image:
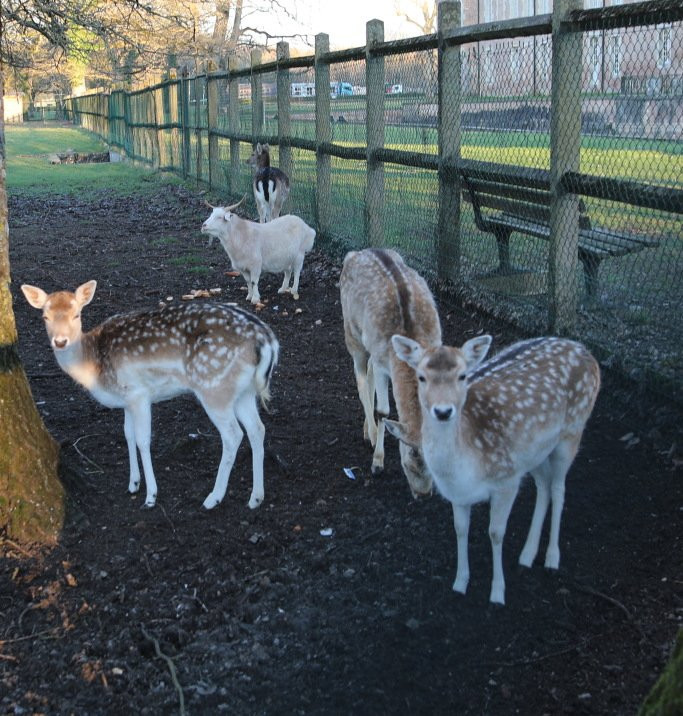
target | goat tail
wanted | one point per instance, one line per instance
(268, 352)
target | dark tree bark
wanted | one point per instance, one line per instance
(31, 495)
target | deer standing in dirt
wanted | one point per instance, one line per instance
(223, 355)
(270, 184)
(485, 425)
(381, 296)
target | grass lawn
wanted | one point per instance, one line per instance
(29, 171)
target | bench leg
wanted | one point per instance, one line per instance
(591, 264)
(503, 239)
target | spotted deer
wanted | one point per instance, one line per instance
(270, 184)
(382, 296)
(223, 355)
(486, 424)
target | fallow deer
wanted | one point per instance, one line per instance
(381, 296)
(270, 184)
(223, 355)
(485, 425)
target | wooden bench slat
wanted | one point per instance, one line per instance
(536, 196)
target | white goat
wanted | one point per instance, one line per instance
(279, 245)
(222, 354)
(380, 296)
(484, 426)
(270, 184)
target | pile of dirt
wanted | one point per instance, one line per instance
(335, 595)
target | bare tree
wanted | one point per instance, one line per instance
(419, 13)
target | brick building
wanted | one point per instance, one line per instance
(639, 61)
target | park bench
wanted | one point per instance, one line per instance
(519, 201)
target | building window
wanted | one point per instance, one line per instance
(594, 55)
(615, 55)
(663, 47)
(488, 67)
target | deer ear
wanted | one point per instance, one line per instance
(399, 432)
(85, 292)
(475, 350)
(34, 295)
(408, 350)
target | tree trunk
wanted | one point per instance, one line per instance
(31, 495)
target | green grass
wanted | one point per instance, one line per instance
(29, 171)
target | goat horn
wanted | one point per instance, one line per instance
(234, 206)
(211, 206)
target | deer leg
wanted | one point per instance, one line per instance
(247, 413)
(381, 381)
(542, 479)
(561, 459)
(231, 436)
(501, 504)
(129, 432)
(360, 371)
(141, 417)
(461, 522)
(260, 202)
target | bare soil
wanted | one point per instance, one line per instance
(335, 595)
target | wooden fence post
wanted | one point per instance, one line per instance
(233, 126)
(375, 99)
(256, 97)
(161, 120)
(323, 133)
(199, 161)
(284, 125)
(448, 250)
(185, 120)
(565, 145)
(153, 131)
(212, 122)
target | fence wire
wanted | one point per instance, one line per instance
(537, 175)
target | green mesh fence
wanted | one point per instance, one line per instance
(532, 165)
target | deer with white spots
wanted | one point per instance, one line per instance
(485, 425)
(381, 296)
(223, 355)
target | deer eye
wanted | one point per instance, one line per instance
(422, 379)
(462, 376)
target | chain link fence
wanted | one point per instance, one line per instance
(532, 166)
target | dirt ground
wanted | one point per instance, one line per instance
(335, 595)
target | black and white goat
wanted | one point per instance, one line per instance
(270, 184)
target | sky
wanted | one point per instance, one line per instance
(344, 20)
